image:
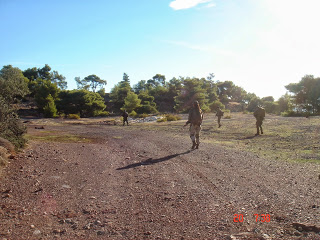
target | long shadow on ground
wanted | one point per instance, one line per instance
(151, 161)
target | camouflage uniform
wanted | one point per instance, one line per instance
(125, 118)
(259, 114)
(196, 120)
(219, 114)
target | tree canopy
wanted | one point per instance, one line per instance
(90, 82)
(13, 85)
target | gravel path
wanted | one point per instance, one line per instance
(134, 184)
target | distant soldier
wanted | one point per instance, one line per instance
(195, 119)
(125, 117)
(219, 114)
(259, 114)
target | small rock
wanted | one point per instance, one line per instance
(70, 214)
(266, 236)
(92, 197)
(37, 232)
(101, 233)
(69, 221)
(38, 190)
(88, 226)
(85, 211)
(32, 226)
(97, 222)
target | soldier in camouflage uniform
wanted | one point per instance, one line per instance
(259, 114)
(219, 114)
(195, 119)
(125, 117)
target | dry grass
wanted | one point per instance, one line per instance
(3, 156)
(285, 138)
(7, 145)
(55, 136)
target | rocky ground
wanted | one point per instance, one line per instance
(97, 181)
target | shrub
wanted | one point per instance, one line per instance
(294, 114)
(143, 115)
(103, 114)
(214, 105)
(172, 117)
(82, 102)
(133, 114)
(73, 116)
(50, 109)
(11, 128)
(245, 112)
(227, 117)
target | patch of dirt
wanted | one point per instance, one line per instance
(134, 183)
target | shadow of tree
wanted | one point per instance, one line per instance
(151, 161)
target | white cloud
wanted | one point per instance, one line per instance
(184, 4)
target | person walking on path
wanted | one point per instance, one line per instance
(125, 117)
(195, 119)
(219, 114)
(259, 114)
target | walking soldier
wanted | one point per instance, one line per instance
(195, 119)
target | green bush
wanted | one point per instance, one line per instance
(11, 127)
(172, 117)
(245, 112)
(227, 117)
(50, 109)
(214, 105)
(73, 116)
(103, 114)
(82, 102)
(143, 115)
(133, 114)
(294, 114)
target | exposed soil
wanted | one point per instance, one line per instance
(114, 182)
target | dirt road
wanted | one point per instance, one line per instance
(127, 183)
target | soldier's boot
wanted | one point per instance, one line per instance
(193, 144)
(197, 141)
(261, 130)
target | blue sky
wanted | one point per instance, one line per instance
(260, 45)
